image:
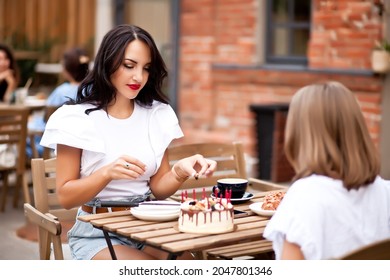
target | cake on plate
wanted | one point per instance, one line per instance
(208, 215)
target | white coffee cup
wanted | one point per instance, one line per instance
(20, 95)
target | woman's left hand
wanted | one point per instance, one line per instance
(195, 165)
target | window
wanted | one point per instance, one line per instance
(288, 31)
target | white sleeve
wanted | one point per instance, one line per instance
(297, 222)
(70, 126)
(163, 128)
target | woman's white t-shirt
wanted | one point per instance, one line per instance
(145, 135)
(326, 220)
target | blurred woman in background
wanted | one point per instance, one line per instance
(75, 63)
(9, 74)
(75, 68)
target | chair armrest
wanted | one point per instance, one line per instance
(64, 215)
(261, 185)
(51, 216)
(44, 221)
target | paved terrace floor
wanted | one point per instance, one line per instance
(13, 247)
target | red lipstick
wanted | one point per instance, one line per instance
(134, 86)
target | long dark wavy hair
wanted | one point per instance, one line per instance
(97, 88)
(12, 61)
(75, 62)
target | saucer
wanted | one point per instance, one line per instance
(247, 196)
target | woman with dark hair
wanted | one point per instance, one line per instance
(338, 202)
(75, 63)
(111, 141)
(9, 74)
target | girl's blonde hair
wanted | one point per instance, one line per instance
(326, 134)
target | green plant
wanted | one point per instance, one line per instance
(382, 45)
(21, 44)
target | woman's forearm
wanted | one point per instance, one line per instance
(291, 251)
(74, 193)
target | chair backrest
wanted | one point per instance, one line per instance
(46, 202)
(44, 187)
(13, 134)
(49, 110)
(376, 251)
(229, 156)
(13, 131)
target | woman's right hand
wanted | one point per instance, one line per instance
(8, 76)
(125, 167)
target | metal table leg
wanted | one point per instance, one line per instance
(109, 244)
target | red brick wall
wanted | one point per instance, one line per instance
(343, 34)
(214, 100)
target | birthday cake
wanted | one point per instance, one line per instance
(207, 215)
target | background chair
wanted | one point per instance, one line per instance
(13, 133)
(47, 214)
(229, 156)
(375, 251)
(33, 133)
(230, 164)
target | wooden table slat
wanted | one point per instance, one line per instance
(178, 236)
(141, 236)
(241, 246)
(262, 248)
(152, 227)
(214, 240)
(106, 221)
(123, 224)
(249, 219)
(88, 218)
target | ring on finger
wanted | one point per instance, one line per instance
(126, 165)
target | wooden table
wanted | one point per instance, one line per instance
(165, 235)
(30, 106)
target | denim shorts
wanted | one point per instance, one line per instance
(85, 241)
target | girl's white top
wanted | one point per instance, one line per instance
(145, 135)
(327, 221)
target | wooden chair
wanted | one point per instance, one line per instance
(258, 249)
(229, 156)
(47, 213)
(13, 133)
(376, 251)
(32, 134)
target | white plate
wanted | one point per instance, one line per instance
(256, 208)
(155, 212)
(247, 196)
(159, 205)
(35, 102)
(154, 215)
